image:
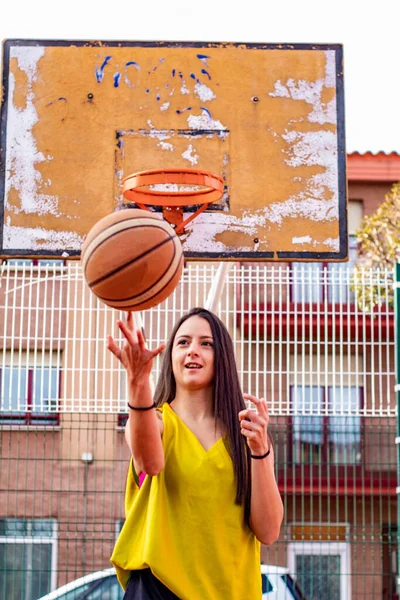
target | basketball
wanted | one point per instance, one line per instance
(132, 259)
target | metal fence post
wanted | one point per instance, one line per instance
(397, 390)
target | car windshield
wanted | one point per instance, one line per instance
(107, 588)
(78, 593)
(294, 589)
(266, 585)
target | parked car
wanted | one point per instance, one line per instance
(277, 584)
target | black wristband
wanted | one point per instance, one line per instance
(142, 407)
(261, 455)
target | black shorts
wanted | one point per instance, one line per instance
(143, 585)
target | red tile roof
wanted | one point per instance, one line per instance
(373, 167)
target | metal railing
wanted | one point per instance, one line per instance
(322, 357)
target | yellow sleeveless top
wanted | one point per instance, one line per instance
(185, 526)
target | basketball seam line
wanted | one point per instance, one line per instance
(149, 288)
(151, 297)
(104, 277)
(163, 288)
(149, 223)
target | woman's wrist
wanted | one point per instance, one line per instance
(139, 389)
(140, 393)
(141, 408)
(138, 381)
(260, 456)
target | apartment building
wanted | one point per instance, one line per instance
(325, 365)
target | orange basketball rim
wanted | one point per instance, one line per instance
(172, 189)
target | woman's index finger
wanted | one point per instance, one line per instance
(130, 321)
(260, 403)
(128, 332)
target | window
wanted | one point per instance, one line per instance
(28, 558)
(311, 285)
(27, 262)
(339, 277)
(29, 394)
(322, 569)
(326, 424)
(308, 283)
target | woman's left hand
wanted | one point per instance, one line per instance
(254, 425)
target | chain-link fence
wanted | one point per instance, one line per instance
(324, 362)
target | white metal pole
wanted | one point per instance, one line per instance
(217, 286)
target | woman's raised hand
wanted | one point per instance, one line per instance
(134, 355)
(254, 425)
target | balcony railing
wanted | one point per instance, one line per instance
(50, 320)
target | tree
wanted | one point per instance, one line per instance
(379, 249)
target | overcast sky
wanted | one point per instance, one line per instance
(369, 32)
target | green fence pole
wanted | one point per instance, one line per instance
(397, 390)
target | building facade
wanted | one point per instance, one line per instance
(324, 362)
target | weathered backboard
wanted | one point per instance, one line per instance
(78, 117)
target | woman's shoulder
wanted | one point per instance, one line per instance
(164, 411)
(165, 415)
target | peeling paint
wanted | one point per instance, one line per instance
(311, 149)
(21, 167)
(190, 155)
(306, 239)
(312, 209)
(210, 225)
(161, 136)
(281, 91)
(15, 238)
(184, 88)
(21, 173)
(204, 121)
(203, 92)
(165, 106)
(166, 146)
(330, 69)
(316, 148)
(333, 243)
(311, 92)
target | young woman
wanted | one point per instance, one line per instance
(209, 497)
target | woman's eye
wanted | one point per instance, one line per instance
(181, 342)
(207, 344)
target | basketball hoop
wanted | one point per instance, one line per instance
(168, 188)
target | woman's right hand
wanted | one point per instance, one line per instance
(134, 355)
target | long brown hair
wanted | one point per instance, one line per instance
(228, 397)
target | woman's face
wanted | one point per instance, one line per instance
(193, 354)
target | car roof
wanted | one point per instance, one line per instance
(72, 585)
(274, 570)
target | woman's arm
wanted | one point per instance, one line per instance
(144, 428)
(266, 508)
(143, 432)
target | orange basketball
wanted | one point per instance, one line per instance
(132, 259)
